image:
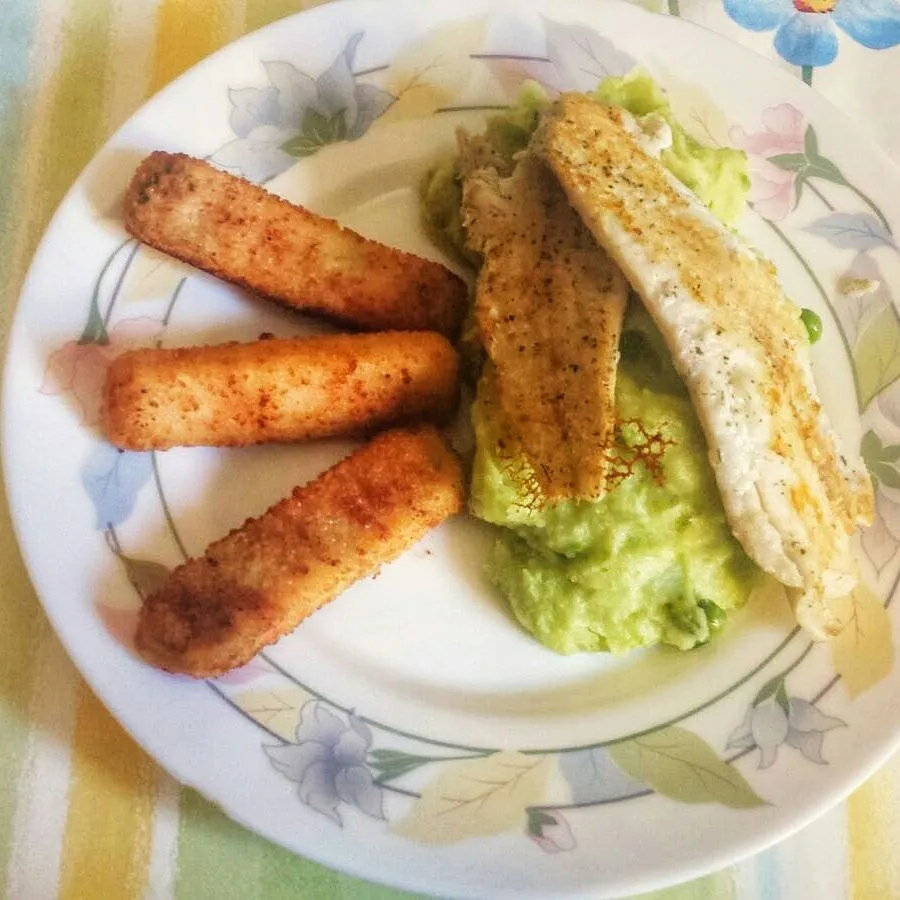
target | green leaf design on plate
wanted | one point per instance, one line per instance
(94, 329)
(678, 764)
(876, 356)
(389, 764)
(278, 710)
(781, 697)
(479, 797)
(773, 687)
(144, 574)
(811, 142)
(317, 131)
(809, 164)
(880, 459)
(538, 820)
(863, 651)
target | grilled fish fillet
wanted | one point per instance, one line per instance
(244, 234)
(549, 306)
(793, 496)
(277, 390)
(219, 610)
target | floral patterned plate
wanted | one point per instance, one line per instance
(410, 732)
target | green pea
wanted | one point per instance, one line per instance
(813, 323)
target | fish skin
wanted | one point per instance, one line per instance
(792, 495)
(548, 307)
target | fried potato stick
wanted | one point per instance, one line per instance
(217, 611)
(277, 390)
(240, 232)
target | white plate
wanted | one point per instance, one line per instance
(436, 737)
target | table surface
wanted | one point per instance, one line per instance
(84, 812)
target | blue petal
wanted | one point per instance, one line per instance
(296, 91)
(355, 785)
(759, 15)
(319, 724)
(316, 789)
(112, 479)
(371, 102)
(258, 157)
(336, 84)
(874, 23)
(593, 776)
(807, 39)
(251, 108)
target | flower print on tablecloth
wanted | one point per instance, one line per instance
(805, 32)
(297, 115)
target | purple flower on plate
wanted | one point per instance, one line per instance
(297, 115)
(804, 29)
(778, 720)
(328, 763)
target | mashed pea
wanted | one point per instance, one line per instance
(654, 561)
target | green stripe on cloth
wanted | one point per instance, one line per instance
(719, 886)
(220, 860)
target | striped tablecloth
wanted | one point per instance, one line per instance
(84, 813)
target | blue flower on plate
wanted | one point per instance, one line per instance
(328, 763)
(112, 479)
(779, 719)
(297, 115)
(804, 29)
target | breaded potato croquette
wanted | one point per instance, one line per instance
(217, 611)
(278, 390)
(240, 232)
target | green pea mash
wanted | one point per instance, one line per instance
(653, 561)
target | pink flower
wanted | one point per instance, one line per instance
(79, 369)
(119, 622)
(772, 190)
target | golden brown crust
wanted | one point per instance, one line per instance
(792, 495)
(549, 305)
(239, 232)
(239, 394)
(217, 611)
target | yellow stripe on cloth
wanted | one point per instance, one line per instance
(873, 820)
(186, 32)
(262, 12)
(107, 843)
